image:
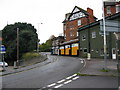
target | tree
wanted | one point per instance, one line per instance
(28, 39)
(46, 47)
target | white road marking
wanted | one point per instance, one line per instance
(75, 78)
(74, 75)
(51, 85)
(58, 86)
(81, 61)
(61, 81)
(69, 77)
(67, 82)
(44, 87)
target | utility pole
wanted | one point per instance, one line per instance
(18, 46)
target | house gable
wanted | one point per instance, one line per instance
(77, 13)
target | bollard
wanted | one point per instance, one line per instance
(89, 56)
(15, 65)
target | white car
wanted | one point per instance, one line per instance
(1, 64)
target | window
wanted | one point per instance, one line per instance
(77, 34)
(83, 37)
(71, 27)
(64, 27)
(117, 8)
(85, 50)
(93, 34)
(64, 36)
(71, 33)
(79, 22)
(108, 10)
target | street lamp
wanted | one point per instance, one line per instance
(38, 38)
(105, 50)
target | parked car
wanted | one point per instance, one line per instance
(1, 64)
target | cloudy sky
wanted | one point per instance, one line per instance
(49, 12)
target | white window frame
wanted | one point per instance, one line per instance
(79, 22)
(84, 37)
(117, 8)
(108, 9)
(93, 34)
(77, 34)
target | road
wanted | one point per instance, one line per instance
(58, 74)
(45, 75)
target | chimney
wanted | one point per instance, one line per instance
(90, 11)
(67, 15)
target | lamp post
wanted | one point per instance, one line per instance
(105, 50)
(38, 38)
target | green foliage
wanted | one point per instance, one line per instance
(46, 47)
(28, 39)
(30, 55)
(104, 70)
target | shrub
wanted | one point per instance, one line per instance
(30, 55)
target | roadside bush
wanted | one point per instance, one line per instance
(30, 55)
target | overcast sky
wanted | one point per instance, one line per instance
(49, 12)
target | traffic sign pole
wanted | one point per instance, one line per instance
(3, 51)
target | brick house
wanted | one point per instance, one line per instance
(74, 20)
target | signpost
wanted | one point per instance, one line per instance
(114, 26)
(3, 51)
(110, 26)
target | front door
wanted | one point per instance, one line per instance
(114, 54)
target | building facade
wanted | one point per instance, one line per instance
(92, 41)
(56, 41)
(74, 20)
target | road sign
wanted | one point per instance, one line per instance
(2, 49)
(110, 26)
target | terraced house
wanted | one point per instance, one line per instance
(91, 37)
(83, 36)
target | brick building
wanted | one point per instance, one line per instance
(74, 20)
(111, 8)
(55, 44)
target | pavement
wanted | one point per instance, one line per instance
(95, 67)
(91, 67)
